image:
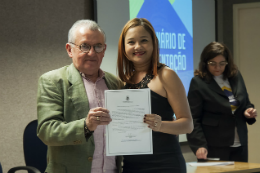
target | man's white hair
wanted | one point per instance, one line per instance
(86, 23)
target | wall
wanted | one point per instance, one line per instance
(225, 20)
(120, 17)
(32, 42)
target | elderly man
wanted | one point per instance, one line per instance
(71, 117)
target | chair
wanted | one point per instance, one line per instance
(28, 168)
(1, 171)
(35, 151)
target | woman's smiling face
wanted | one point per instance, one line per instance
(138, 45)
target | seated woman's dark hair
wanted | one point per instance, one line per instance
(211, 51)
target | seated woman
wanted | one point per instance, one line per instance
(138, 66)
(220, 107)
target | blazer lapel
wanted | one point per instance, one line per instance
(212, 84)
(234, 85)
(235, 89)
(77, 92)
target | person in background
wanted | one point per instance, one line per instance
(220, 107)
(138, 66)
(70, 101)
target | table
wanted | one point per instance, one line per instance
(238, 167)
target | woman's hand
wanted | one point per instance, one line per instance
(154, 121)
(202, 153)
(250, 113)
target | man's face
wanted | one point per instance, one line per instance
(87, 63)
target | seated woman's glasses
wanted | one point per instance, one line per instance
(214, 64)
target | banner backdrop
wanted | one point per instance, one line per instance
(172, 21)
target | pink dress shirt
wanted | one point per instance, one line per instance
(95, 92)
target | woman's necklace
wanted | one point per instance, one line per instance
(142, 84)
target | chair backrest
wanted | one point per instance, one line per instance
(35, 151)
(1, 171)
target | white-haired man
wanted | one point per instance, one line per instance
(70, 101)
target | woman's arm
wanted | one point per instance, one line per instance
(250, 113)
(176, 96)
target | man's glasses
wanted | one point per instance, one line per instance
(214, 64)
(86, 48)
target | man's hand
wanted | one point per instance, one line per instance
(202, 153)
(97, 116)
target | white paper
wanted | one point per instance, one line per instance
(127, 134)
(210, 163)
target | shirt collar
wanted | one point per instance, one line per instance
(219, 77)
(101, 74)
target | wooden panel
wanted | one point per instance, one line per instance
(238, 167)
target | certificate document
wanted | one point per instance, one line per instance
(127, 134)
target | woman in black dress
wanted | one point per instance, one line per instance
(138, 66)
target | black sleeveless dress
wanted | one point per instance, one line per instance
(167, 156)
